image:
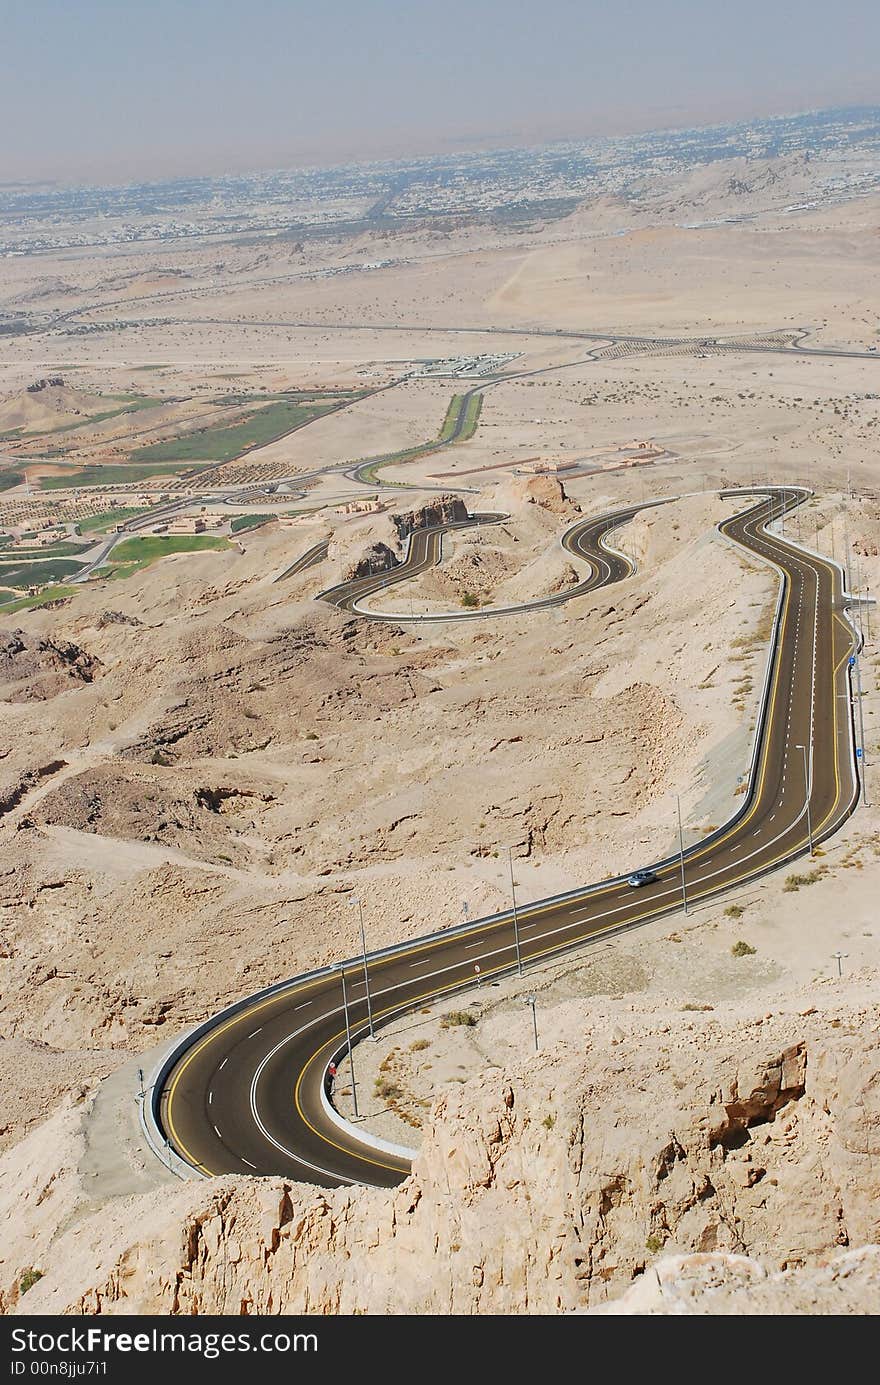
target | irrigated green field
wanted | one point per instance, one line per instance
(131, 555)
(37, 574)
(106, 475)
(226, 442)
(242, 522)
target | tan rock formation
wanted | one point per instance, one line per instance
(547, 1189)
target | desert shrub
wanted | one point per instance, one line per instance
(794, 882)
(456, 1017)
(734, 911)
(389, 1091)
(743, 949)
(654, 1243)
(28, 1280)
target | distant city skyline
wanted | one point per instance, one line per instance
(106, 92)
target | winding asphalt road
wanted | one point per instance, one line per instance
(248, 1095)
(586, 540)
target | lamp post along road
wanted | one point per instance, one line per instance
(684, 898)
(354, 1095)
(532, 1001)
(807, 792)
(356, 900)
(515, 913)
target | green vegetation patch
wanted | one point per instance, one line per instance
(58, 550)
(227, 441)
(106, 519)
(131, 555)
(127, 404)
(368, 470)
(249, 522)
(743, 949)
(29, 603)
(37, 574)
(472, 405)
(121, 475)
(8, 479)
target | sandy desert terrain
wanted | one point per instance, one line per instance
(199, 765)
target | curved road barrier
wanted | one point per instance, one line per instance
(246, 1091)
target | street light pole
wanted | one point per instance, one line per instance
(354, 1096)
(531, 1000)
(684, 898)
(808, 791)
(839, 956)
(515, 912)
(356, 900)
(864, 756)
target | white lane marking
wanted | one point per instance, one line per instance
(223, 1064)
(303, 1006)
(219, 1136)
(210, 1098)
(255, 1033)
(247, 1161)
(297, 1158)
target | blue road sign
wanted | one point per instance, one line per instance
(852, 660)
(858, 752)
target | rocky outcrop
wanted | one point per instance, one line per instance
(154, 805)
(377, 558)
(549, 1189)
(546, 492)
(116, 618)
(39, 669)
(738, 1286)
(446, 509)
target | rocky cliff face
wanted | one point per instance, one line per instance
(377, 558)
(446, 509)
(738, 1286)
(552, 1188)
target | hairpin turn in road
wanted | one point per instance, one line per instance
(248, 1095)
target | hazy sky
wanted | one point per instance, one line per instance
(116, 89)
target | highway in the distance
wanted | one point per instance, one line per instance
(247, 1095)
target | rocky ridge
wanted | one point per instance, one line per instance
(552, 1187)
